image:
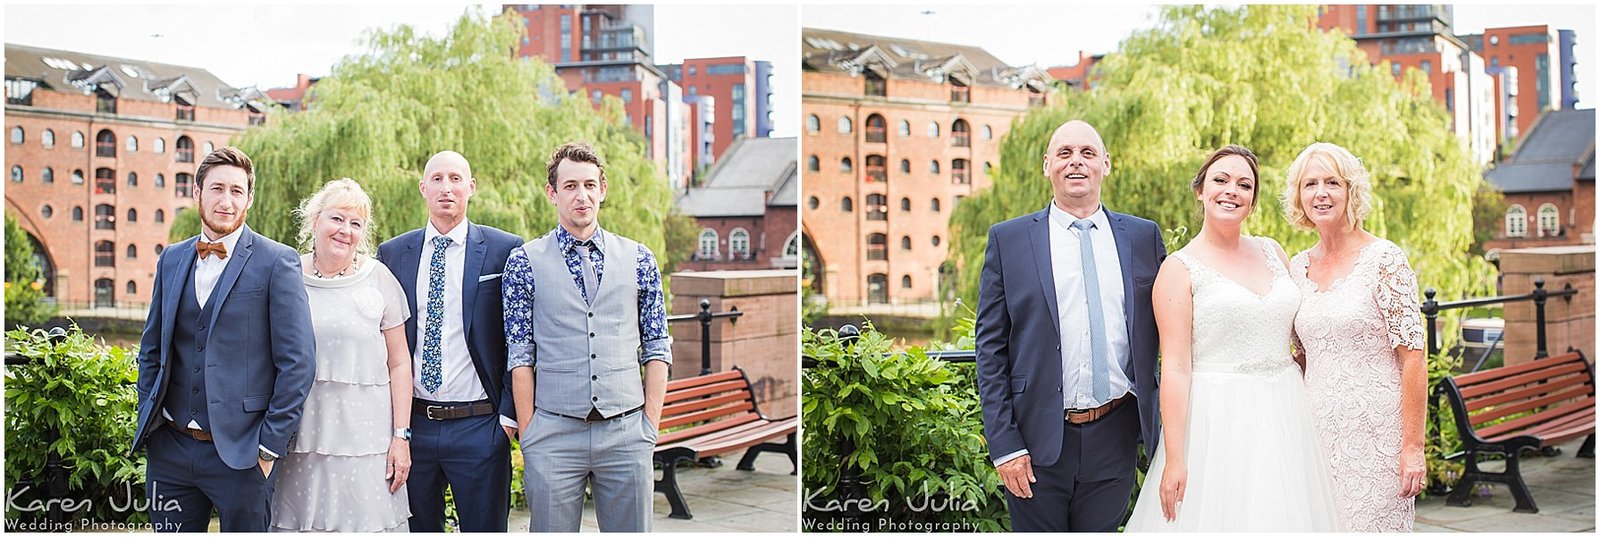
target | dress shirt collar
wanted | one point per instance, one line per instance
(567, 242)
(1065, 219)
(458, 234)
(229, 241)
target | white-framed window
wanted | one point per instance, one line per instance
(845, 125)
(1549, 220)
(1516, 221)
(739, 243)
(47, 138)
(132, 144)
(791, 247)
(160, 146)
(708, 244)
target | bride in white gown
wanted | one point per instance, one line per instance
(1238, 452)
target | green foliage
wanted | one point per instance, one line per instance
(1488, 215)
(24, 284)
(380, 115)
(85, 393)
(1443, 439)
(682, 236)
(915, 426)
(1264, 77)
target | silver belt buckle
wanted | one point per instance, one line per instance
(429, 412)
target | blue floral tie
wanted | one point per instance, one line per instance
(431, 359)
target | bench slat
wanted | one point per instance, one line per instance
(709, 389)
(767, 432)
(683, 384)
(1518, 380)
(704, 429)
(1480, 377)
(1558, 431)
(1546, 399)
(686, 407)
(709, 414)
(1541, 417)
(1510, 396)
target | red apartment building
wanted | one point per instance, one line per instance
(102, 153)
(897, 132)
(731, 82)
(1535, 53)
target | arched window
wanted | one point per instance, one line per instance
(47, 139)
(77, 177)
(933, 129)
(708, 244)
(132, 253)
(209, 148)
(905, 128)
(877, 129)
(905, 282)
(958, 172)
(105, 217)
(877, 247)
(103, 297)
(1549, 220)
(905, 243)
(960, 134)
(1516, 221)
(988, 133)
(77, 139)
(878, 289)
(844, 165)
(105, 254)
(813, 163)
(934, 204)
(161, 216)
(739, 244)
(877, 207)
(133, 215)
(131, 289)
(105, 181)
(133, 179)
(132, 145)
(845, 125)
(105, 144)
(905, 166)
(16, 174)
(847, 205)
(184, 185)
(160, 146)
(185, 149)
(813, 202)
(933, 167)
(161, 181)
(77, 214)
(791, 247)
(48, 176)
(17, 136)
(813, 124)
(905, 205)
(877, 169)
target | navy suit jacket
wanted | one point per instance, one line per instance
(1018, 334)
(262, 357)
(481, 308)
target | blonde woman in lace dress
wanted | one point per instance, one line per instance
(1238, 451)
(1361, 333)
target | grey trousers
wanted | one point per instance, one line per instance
(561, 454)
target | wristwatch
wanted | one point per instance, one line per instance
(265, 455)
(403, 433)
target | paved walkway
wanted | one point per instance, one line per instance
(1562, 486)
(722, 499)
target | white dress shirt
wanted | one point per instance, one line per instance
(1066, 262)
(458, 378)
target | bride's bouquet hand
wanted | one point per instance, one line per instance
(1173, 481)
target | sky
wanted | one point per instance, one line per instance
(1051, 35)
(267, 46)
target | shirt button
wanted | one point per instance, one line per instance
(594, 377)
(591, 314)
(594, 398)
(197, 370)
(196, 390)
(591, 357)
(591, 335)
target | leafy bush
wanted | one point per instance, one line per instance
(24, 283)
(915, 431)
(84, 393)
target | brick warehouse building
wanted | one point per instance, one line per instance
(897, 132)
(101, 153)
(746, 209)
(1548, 185)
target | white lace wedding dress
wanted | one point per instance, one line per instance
(1254, 460)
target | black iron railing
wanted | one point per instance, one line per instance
(705, 317)
(1539, 296)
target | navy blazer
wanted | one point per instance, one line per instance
(263, 357)
(1019, 335)
(481, 308)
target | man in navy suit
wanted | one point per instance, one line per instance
(1066, 347)
(463, 417)
(225, 362)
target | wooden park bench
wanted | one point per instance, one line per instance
(712, 415)
(1549, 401)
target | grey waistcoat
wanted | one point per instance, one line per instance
(586, 356)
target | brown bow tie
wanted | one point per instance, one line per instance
(207, 248)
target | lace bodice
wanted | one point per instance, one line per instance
(1349, 332)
(1236, 330)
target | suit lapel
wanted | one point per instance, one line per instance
(1119, 231)
(1039, 235)
(405, 270)
(476, 248)
(230, 272)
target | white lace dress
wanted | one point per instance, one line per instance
(1253, 458)
(1350, 331)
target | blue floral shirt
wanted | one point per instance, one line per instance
(518, 289)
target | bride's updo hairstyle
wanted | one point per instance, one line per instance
(1225, 151)
(1345, 165)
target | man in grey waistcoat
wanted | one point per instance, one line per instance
(575, 348)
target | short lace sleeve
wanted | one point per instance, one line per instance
(395, 309)
(1396, 294)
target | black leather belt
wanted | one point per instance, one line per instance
(594, 415)
(437, 411)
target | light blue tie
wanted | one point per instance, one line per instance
(432, 361)
(1100, 381)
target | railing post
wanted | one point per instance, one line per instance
(1430, 312)
(1540, 295)
(850, 487)
(55, 472)
(705, 336)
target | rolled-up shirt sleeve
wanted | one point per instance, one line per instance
(517, 299)
(655, 340)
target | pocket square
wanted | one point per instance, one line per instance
(487, 277)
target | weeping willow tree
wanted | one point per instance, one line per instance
(1264, 77)
(379, 115)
